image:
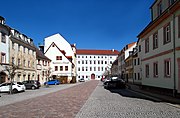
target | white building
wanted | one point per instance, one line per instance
(92, 64)
(62, 56)
(160, 43)
(4, 49)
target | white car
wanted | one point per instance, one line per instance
(16, 87)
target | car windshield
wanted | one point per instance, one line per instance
(20, 83)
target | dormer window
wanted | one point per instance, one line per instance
(159, 8)
(3, 37)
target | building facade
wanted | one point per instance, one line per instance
(22, 54)
(160, 42)
(16, 49)
(123, 55)
(63, 58)
(43, 67)
(94, 64)
(4, 50)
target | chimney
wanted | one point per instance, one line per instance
(113, 50)
(41, 48)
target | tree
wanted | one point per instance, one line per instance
(12, 72)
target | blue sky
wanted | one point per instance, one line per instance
(91, 24)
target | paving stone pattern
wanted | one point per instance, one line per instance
(105, 104)
(61, 104)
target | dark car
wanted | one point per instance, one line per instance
(32, 84)
(115, 82)
(81, 80)
(52, 82)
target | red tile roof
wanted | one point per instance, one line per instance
(97, 52)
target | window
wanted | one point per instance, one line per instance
(139, 48)
(138, 61)
(24, 49)
(13, 45)
(38, 61)
(78, 56)
(56, 68)
(94, 62)
(19, 62)
(146, 45)
(78, 62)
(19, 46)
(78, 68)
(28, 63)
(155, 69)
(98, 62)
(155, 40)
(66, 68)
(42, 73)
(82, 68)
(86, 62)
(3, 37)
(167, 68)
(171, 2)
(82, 61)
(110, 62)
(105, 62)
(139, 76)
(147, 71)
(167, 34)
(102, 68)
(135, 76)
(90, 68)
(61, 68)
(159, 7)
(3, 57)
(24, 62)
(82, 56)
(13, 60)
(86, 68)
(98, 68)
(134, 61)
(179, 26)
(90, 62)
(58, 57)
(101, 62)
(94, 68)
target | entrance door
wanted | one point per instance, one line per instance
(178, 60)
(92, 76)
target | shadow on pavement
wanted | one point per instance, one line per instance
(130, 94)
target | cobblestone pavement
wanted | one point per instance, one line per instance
(6, 98)
(124, 104)
(60, 104)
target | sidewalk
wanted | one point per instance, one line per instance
(164, 98)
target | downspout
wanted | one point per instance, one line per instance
(174, 57)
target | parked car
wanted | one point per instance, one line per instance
(32, 84)
(52, 82)
(81, 80)
(16, 87)
(115, 82)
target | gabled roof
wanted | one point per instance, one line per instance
(97, 52)
(40, 55)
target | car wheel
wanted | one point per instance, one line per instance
(14, 91)
(33, 87)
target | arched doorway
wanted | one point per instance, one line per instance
(93, 76)
(2, 77)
